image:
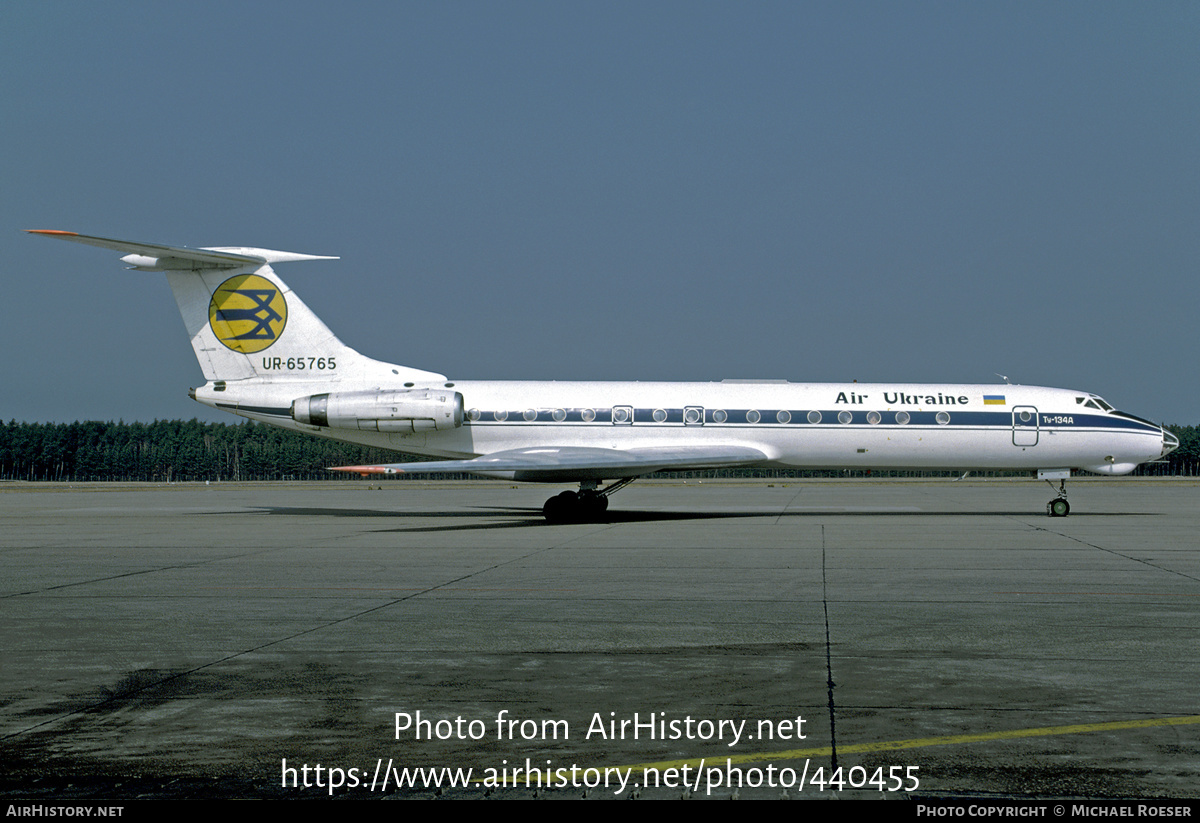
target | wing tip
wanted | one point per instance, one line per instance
(53, 232)
(366, 470)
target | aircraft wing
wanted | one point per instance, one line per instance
(569, 464)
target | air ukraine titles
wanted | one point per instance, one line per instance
(894, 398)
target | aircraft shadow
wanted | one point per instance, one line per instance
(530, 517)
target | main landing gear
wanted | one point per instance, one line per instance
(1059, 507)
(587, 505)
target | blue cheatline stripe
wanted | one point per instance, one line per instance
(959, 419)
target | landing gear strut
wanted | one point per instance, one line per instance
(587, 505)
(1059, 507)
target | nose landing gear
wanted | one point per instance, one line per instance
(1059, 507)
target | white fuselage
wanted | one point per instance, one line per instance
(818, 425)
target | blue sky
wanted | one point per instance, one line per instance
(916, 192)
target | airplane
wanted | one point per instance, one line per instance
(266, 356)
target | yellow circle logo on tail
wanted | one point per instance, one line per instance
(247, 313)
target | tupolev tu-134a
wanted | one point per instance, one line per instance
(266, 356)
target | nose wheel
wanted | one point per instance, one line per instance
(588, 505)
(1059, 507)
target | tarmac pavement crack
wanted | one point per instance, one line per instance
(138, 573)
(787, 506)
(1116, 553)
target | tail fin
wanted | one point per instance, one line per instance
(243, 321)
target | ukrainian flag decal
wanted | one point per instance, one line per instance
(247, 313)
(993, 400)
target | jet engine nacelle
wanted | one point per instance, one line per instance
(415, 410)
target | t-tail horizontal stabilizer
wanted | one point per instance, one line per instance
(155, 257)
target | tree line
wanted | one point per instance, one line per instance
(172, 450)
(177, 450)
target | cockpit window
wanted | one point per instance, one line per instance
(1101, 403)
